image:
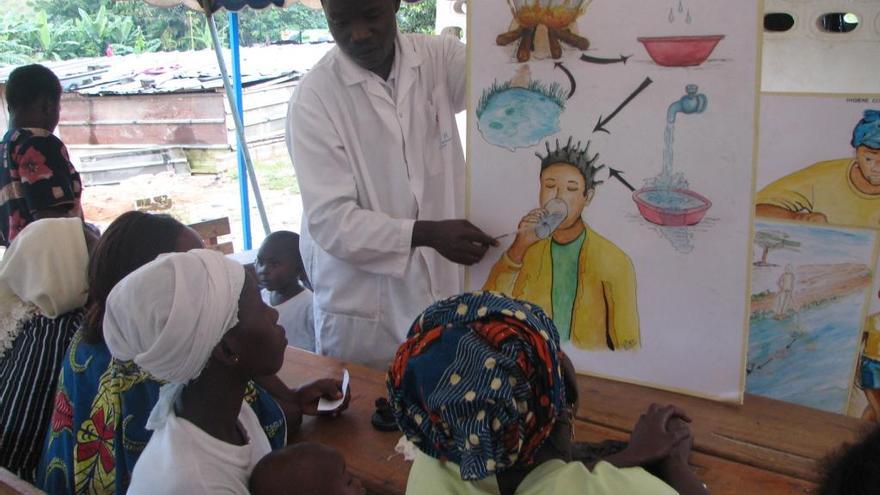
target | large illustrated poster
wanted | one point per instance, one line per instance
(813, 307)
(611, 151)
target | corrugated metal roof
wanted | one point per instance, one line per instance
(179, 72)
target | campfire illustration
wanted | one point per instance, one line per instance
(544, 21)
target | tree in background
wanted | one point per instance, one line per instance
(63, 29)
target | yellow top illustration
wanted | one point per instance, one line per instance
(840, 192)
(582, 280)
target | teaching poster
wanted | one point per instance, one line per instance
(819, 166)
(810, 292)
(611, 149)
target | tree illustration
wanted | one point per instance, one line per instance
(770, 240)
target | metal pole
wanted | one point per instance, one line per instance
(239, 128)
(239, 108)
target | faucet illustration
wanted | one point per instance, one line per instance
(692, 102)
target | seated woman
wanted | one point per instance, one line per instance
(42, 291)
(483, 391)
(206, 333)
(98, 429)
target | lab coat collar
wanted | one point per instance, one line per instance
(352, 73)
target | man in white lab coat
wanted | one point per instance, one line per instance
(372, 135)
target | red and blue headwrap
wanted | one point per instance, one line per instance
(478, 382)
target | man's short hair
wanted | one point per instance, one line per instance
(28, 83)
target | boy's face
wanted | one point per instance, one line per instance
(564, 181)
(276, 269)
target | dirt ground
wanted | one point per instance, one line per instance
(202, 197)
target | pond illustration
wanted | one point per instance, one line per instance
(515, 115)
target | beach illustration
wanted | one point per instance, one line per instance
(809, 291)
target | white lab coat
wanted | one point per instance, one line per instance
(369, 166)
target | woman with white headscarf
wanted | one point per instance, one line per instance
(43, 288)
(197, 322)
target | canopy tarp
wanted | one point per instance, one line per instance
(233, 5)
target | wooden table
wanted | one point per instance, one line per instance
(762, 447)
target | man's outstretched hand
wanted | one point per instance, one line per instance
(458, 241)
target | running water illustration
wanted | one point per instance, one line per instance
(667, 200)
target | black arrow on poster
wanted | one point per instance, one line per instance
(600, 126)
(618, 174)
(559, 65)
(605, 61)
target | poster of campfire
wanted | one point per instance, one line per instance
(611, 153)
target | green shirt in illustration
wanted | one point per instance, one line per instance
(565, 281)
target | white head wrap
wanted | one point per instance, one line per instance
(168, 315)
(45, 271)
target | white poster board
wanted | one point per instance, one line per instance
(672, 300)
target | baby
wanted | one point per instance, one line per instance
(304, 469)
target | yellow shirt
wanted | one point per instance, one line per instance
(824, 188)
(430, 476)
(872, 345)
(605, 306)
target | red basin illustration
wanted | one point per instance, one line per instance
(680, 51)
(672, 216)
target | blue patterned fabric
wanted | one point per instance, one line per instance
(478, 382)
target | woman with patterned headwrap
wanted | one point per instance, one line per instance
(483, 391)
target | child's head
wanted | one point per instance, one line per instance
(33, 92)
(279, 265)
(305, 469)
(856, 470)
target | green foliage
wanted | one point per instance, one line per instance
(64, 29)
(418, 17)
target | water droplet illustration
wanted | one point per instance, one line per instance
(688, 19)
(671, 15)
(680, 7)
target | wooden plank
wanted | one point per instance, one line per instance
(11, 484)
(764, 433)
(141, 134)
(212, 229)
(76, 107)
(224, 247)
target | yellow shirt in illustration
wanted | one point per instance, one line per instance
(605, 314)
(824, 188)
(872, 345)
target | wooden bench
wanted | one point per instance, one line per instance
(762, 447)
(11, 484)
(211, 230)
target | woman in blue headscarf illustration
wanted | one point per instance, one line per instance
(840, 192)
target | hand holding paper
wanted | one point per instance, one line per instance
(325, 405)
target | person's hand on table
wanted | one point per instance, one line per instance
(657, 434)
(308, 395)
